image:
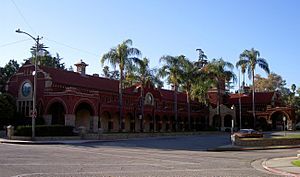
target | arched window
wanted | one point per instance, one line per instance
(149, 100)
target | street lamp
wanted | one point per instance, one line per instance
(34, 112)
(284, 119)
(232, 120)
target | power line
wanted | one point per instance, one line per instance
(20, 13)
(11, 43)
(74, 48)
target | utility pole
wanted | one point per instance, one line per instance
(34, 111)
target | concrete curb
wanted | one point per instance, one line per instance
(239, 148)
(276, 171)
(74, 142)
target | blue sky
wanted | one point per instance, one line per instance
(85, 29)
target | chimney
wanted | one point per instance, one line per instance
(95, 75)
(81, 67)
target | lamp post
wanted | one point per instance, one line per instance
(284, 119)
(34, 112)
(232, 120)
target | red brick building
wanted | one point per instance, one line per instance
(269, 110)
(77, 99)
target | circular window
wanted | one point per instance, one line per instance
(26, 89)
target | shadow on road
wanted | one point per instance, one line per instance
(189, 143)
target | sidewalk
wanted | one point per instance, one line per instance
(7, 141)
(248, 148)
(282, 166)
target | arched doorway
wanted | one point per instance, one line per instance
(227, 120)
(57, 112)
(173, 123)
(106, 121)
(83, 116)
(129, 123)
(277, 120)
(166, 123)
(158, 123)
(148, 123)
(263, 124)
(180, 123)
(216, 121)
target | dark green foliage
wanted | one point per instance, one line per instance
(6, 72)
(7, 107)
(210, 129)
(45, 130)
(40, 121)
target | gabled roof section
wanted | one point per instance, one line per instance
(260, 98)
(70, 78)
(169, 95)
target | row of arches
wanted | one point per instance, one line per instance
(131, 122)
(109, 121)
(275, 121)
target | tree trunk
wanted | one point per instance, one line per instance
(188, 109)
(253, 100)
(218, 104)
(120, 101)
(142, 109)
(175, 108)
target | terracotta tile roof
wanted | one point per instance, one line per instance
(169, 95)
(74, 79)
(260, 98)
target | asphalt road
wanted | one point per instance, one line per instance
(167, 156)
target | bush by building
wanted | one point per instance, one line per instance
(45, 130)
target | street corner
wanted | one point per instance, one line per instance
(282, 166)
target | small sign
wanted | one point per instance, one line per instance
(33, 113)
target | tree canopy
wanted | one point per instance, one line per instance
(6, 72)
(272, 83)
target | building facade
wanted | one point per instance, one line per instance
(77, 99)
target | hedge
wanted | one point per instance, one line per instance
(45, 130)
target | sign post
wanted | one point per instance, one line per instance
(284, 119)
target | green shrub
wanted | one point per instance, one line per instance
(210, 129)
(45, 130)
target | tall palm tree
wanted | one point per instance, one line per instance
(171, 69)
(121, 55)
(217, 69)
(188, 77)
(293, 88)
(243, 71)
(251, 58)
(142, 76)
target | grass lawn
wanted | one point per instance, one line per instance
(296, 163)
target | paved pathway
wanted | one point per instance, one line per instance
(282, 166)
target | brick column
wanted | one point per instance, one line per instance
(95, 120)
(48, 119)
(70, 119)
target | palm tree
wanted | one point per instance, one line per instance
(217, 69)
(129, 76)
(251, 58)
(171, 69)
(293, 88)
(243, 70)
(121, 55)
(188, 77)
(144, 75)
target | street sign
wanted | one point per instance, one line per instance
(32, 113)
